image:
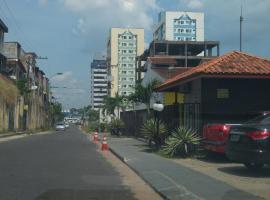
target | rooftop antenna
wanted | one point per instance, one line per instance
(241, 22)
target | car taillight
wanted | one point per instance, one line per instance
(259, 134)
(224, 130)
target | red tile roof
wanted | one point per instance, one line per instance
(233, 63)
(162, 60)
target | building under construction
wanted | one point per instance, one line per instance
(185, 54)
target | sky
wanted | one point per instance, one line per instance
(71, 32)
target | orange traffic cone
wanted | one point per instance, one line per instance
(95, 138)
(104, 145)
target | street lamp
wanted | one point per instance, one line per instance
(158, 107)
(56, 74)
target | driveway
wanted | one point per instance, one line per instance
(220, 168)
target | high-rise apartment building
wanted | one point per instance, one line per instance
(180, 26)
(123, 46)
(99, 82)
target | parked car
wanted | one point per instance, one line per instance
(249, 143)
(215, 135)
(60, 127)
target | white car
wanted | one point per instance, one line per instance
(60, 127)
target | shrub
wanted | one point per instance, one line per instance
(149, 130)
(181, 142)
(116, 126)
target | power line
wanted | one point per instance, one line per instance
(17, 26)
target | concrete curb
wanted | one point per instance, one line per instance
(137, 172)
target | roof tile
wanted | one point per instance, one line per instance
(232, 63)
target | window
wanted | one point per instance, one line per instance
(223, 93)
(131, 79)
(130, 37)
(130, 65)
(130, 51)
(124, 44)
(131, 58)
(182, 30)
(131, 44)
(124, 51)
(131, 72)
(124, 65)
(123, 79)
(124, 37)
(124, 58)
(181, 22)
(124, 72)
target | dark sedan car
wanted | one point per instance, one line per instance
(249, 143)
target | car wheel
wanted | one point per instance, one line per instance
(254, 166)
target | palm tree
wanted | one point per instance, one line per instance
(143, 94)
(112, 103)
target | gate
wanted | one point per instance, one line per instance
(190, 116)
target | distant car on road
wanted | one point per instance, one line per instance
(249, 143)
(60, 127)
(66, 125)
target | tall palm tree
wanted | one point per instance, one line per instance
(143, 94)
(112, 103)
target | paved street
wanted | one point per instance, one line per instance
(61, 165)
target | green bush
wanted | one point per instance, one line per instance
(149, 130)
(181, 142)
(93, 126)
(116, 126)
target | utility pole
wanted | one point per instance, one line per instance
(241, 22)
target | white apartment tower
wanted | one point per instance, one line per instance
(123, 46)
(180, 26)
(99, 82)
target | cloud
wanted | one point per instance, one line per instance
(195, 4)
(107, 13)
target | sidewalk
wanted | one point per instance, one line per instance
(170, 179)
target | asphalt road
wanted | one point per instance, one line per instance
(57, 166)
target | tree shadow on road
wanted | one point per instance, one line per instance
(244, 172)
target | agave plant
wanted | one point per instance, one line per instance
(149, 130)
(180, 142)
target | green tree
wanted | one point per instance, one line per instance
(143, 94)
(56, 112)
(112, 103)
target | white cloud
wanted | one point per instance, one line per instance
(108, 13)
(193, 4)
